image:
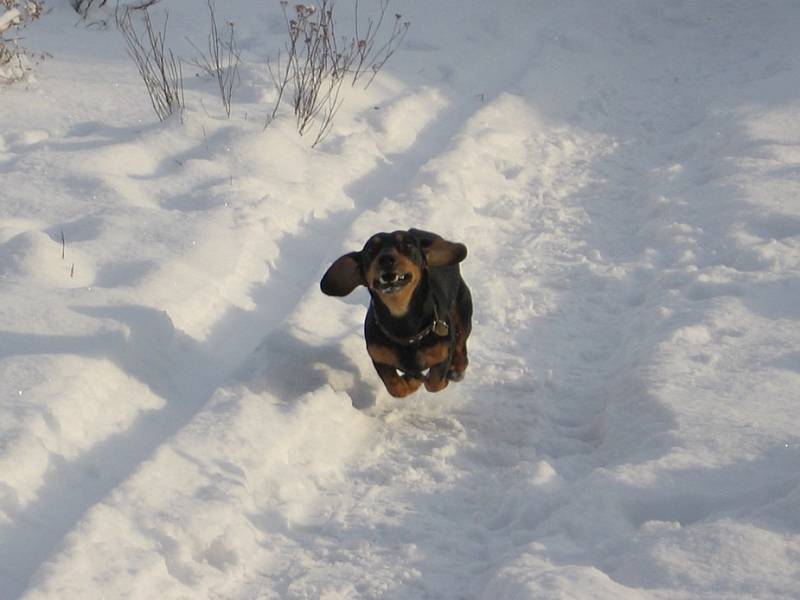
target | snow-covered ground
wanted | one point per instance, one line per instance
(184, 415)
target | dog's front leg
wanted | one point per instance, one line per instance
(397, 385)
(437, 380)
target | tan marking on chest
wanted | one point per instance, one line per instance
(383, 355)
(433, 355)
(397, 303)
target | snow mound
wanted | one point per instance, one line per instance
(183, 414)
(34, 258)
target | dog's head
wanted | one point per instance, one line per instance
(391, 265)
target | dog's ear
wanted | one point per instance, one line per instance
(438, 251)
(343, 276)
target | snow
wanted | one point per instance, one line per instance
(184, 415)
(9, 18)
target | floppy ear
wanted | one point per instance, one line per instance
(343, 276)
(438, 251)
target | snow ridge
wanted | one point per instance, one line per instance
(183, 414)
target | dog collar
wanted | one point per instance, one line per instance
(439, 327)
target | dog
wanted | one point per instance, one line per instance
(420, 315)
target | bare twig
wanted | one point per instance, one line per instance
(14, 59)
(158, 67)
(82, 7)
(399, 30)
(222, 61)
(315, 64)
(143, 5)
(314, 67)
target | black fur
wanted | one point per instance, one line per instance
(424, 337)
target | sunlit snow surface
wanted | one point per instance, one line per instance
(184, 415)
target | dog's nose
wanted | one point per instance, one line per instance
(386, 261)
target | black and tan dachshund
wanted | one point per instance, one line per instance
(421, 310)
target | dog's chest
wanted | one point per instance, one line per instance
(411, 359)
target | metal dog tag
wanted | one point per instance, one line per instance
(441, 328)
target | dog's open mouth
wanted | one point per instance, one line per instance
(389, 283)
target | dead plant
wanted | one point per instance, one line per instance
(15, 60)
(160, 71)
(222, 60)
(317, 62)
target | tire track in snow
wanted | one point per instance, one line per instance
(200, 369)
(526, 480)
(388, 486)
(458, 469)
(73, 487)
(498, 469)
(196, 369)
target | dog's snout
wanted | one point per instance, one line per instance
(386, 261)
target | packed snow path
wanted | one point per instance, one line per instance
(183, 414)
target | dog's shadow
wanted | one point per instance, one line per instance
(287, 367)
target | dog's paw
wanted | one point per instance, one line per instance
(456, 375)
(435, 384)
